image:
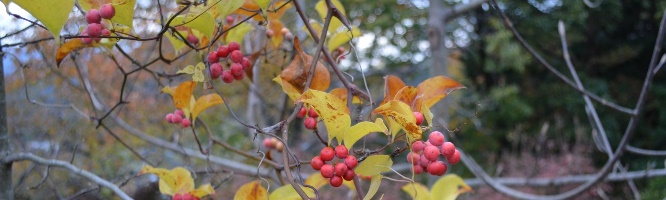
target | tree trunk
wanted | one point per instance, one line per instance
(6, 191)
(437, 13)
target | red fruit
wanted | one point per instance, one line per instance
(93, 17)
(107, 11)
(413, 157)
(341, 169)
(246, 64)
(448, 149)
(310, 123)
(216, 70)
(105, 32)
(86, 40)
(418, 146)
(351, 162)
(185, 196)
(222, 52)
(431, 153)
(185, 123)
(212, 57)
(336, 181)
(419, 118)
(312, 113)
(227, 77)
(270, 33)
(423, 161)
(169, 117)
(437, 168)
(349, 175)
(176, 119)
(455, 158)
(179, 112)
(237, 69)
(327, 170)
(327, 153)
(94, 30)
(236, 55)
(341, 151)
(268, 143)
(418, 169)
(192, 39)
(230, 20)
(302, 112)
(233, 46)
(436, 138)
(316, 163)
(289, 36)
(238, 77)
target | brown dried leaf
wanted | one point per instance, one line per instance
(297, 71)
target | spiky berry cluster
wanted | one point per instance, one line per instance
(232, 56)
(178, 117)
(311, 121)
(273, 143)
(425, 155)
(343, 168)
(96, 27)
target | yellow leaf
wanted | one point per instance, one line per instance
(238, 33)
(374, 186)
(342, 37)
(316, 180)
(251, 191)
(331, 109)
(374, 165)
(53, 14)
(449, 187)
(427, 114)
(407, 95)
(204, 102)
(322, 9)
(263, 4)
(124, 9)
(276, 26)
(169, 90)
(287, 192)
(248, 8)
(175, 41)
(183, 95)
(288, 89)
(203, 191)
(342, 94)
(203, 22)
(68, 47)
(197, 72)
(358, 131)
(417, 191)
(403, 115)
(226, 7)
(434, 89)
(315, 25)
(298, 71)
(175, 181)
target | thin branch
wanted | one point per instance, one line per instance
(646, 152)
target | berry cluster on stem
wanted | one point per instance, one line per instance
(311, 120)
(96, 27)
(425, 155)
(231, 56)
(178, 117)
(273, 143)
(336, 171)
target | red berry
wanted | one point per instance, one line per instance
(284, 31)
(423, 161)
(413, 157)
(233, 46)
(236, 56)
(227, 77)
(185, 123)
(418, 146)
(268, 143)
(455, 158)
(313, 113)
(86, 40)
(419, 118)
(349, 175)
(302, 112)
(179, 112)
(216, 70)
(237, 69)
(246, 64)
(107, 11)
(94, 30)
(238, 77)
(184, 196)
(212, 57)
(418, 169)
(327, 170)
(431, 153)
(192, 39)
(336, 181)
(351, 161)
(437, 168)
(327, 154)
(169, 117)
(176, 119)
(93, 17)
(341, 169)
(448, 149)
(316, 163)
(341, 151)
(222, 52)
(230, 20)
(436, 138)
(105, 32)
(310, 123)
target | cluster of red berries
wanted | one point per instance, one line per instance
(336, 171)
(273, 143)
(185, 196)
(311, 121)
(424, 155)
(96, 27)
(232, 56)
(178, 117)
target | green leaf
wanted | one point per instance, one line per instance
(226, 7)
(53, 14)
(342, 37)
(358, 131)
(417, 191)
(449, 187)
(203, 22)
(374, 165)
(374, 186)
(263, 4)
(322, 9)
(175, 41)
(237, 34)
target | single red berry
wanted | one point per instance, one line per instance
(316, 163)
(105, 32)
(227, 77)
(418, 146)
(341, 151)
(176, 119)
(431, 153)
(284, 31)
(436, 138)
(349, 175)
(239, 76)
(169, 117)
(327, 154)
(234, 46)
(237, 69)
(86, 40)
(336, 181)
(107, 11)
(222, 52)
(94, 30)
(185, 123)
(216, 70)
(423, 161)
(413, 157)
(310, 123)
(418, 169)
(302, 112)
(268, 143)
(427, 143)
(246, 64)
(93, 17)
(212, 57)
(327, 171)
(230, 20)
(179, 112)
(236, 56)
(351, 161)
(437, 168)
(448, 149)
(341, 169)
(313, 113)
(270, 33)
(192, 39)
(419, 118)
(455, 158)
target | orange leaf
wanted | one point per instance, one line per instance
(250, 8)
(392, 84)
(204, 102)
(342, 94)
(297, 71)
(68, 47)
(183, 95)
(407, 95)
(403, 115)
(434, 89)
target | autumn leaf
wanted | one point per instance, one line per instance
(204, 102)
(402, 114)
(297, 71)
(238, 33)
(375, 182)
(196, 72)
(331, 109)
(124, 10)
(342, 94)
(287, 192)
(175, 41)
(53, 14)
(226, 7)
(342, 37)
(374, 165)
(251, 191)
(68, 47)
(177, 181)
(361, 129)
(434, 89)
(446, 188)
(392, 84)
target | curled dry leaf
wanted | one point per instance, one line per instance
(296, 73)
(68, 47)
